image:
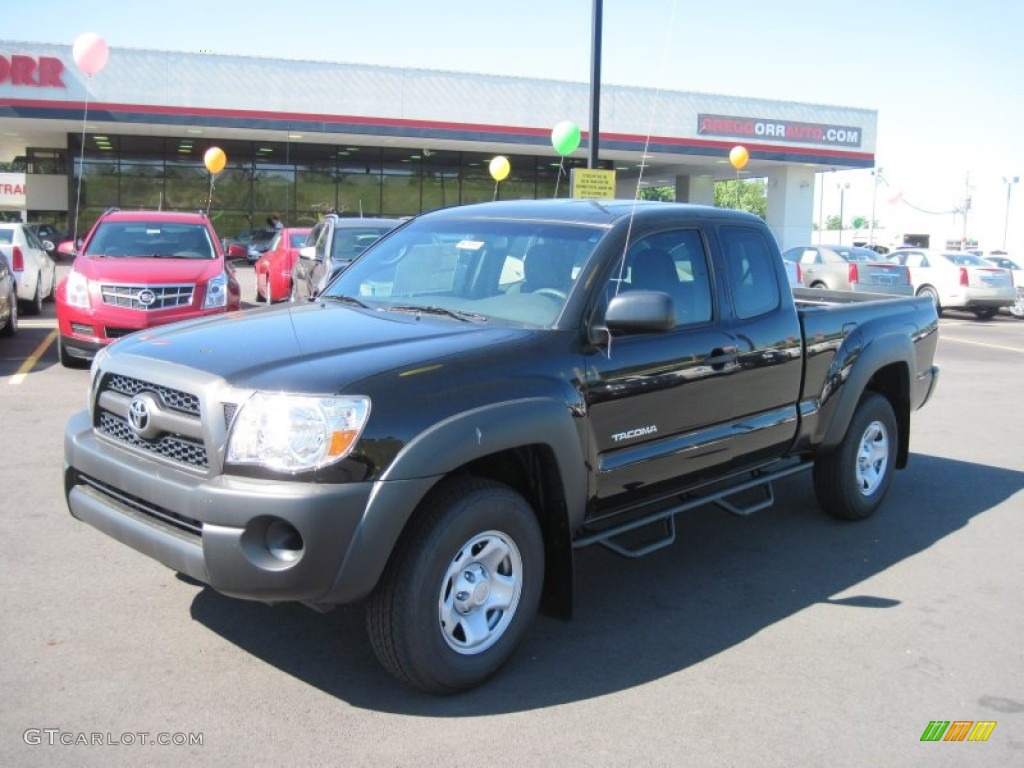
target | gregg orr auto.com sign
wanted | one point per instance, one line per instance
(778, 130)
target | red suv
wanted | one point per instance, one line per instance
(138, 269)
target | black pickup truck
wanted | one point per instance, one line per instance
(481, 393)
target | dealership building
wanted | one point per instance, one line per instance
(305, 137)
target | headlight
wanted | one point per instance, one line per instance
(216, 292)
(293, 433)
(76, 290)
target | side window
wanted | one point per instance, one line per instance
(810, 256)
(676, 263)
(751, 271)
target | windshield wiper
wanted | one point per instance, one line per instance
(465, 317)
(345, 300)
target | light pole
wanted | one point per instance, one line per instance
(842, 195)
(877, 173)
(1009, 181)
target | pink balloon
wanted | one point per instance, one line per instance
(90, 52)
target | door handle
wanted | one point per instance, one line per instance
(720, 357)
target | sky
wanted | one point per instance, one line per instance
(943, 76)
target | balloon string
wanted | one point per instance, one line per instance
(209, 197)
(561, 165)
(495, 192)
(81, 167)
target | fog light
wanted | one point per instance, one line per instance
(283, 541)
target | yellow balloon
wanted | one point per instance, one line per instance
(738, 156)
(500, 168)
(215, 159)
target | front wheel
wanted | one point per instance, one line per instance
(462, 586)
(851, 481)
(1017, 310)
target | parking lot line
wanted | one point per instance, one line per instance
(983, 344)
(32, 359)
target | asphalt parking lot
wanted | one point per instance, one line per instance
(781, 639)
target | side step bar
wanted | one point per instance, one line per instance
(761, 480)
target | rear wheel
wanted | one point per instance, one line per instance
(985, 313)
(1017, 310)
(34, 306)
(11, 326)
(461, 589)
(851, 481)
(931, 293)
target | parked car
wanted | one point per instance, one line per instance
(958, 280)
(334, 242)
(259, 243)
(274, 268)
(8, 301)
(1005, 262)
(139, 269)
(49, 236)
(34, 271)
(796, 278)
(845, 268)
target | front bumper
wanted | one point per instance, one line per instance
(220, 530)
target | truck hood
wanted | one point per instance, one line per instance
(315, 348)
(148, 271)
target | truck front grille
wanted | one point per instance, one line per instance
(177, 440)
(170, 447)
(172, 398)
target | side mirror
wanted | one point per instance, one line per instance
(640, 312)
(308, 252)
(236, 251)
(67, 248)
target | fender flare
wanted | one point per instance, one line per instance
(438, 451)
(861, 364)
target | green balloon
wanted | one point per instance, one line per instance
(565, 137)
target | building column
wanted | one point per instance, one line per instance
(790, 191)
(695, 189)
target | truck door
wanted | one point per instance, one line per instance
(668, 409)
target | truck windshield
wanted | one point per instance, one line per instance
(519, 272)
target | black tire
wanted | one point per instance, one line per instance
(442, 583)
(985, 313)
(851, 481)
(34, 306)
(931, 293)
(11, 326)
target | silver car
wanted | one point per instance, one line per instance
(849, 268)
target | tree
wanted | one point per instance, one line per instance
(859, 222)
(665, 194)
(751, 194)
(832, 222)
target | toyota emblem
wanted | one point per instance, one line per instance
(146, 297)
(138, 415)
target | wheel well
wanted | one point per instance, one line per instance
(532, 471)
(893, 383)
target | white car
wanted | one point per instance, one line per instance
(34, 271)
(1017, 270)
(958, 280)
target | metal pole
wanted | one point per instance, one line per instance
(1010, 181)
(595, 84)
(877, 173)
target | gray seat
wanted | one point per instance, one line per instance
(547, 266)
(654, 270)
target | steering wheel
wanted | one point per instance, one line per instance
(551, 293)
